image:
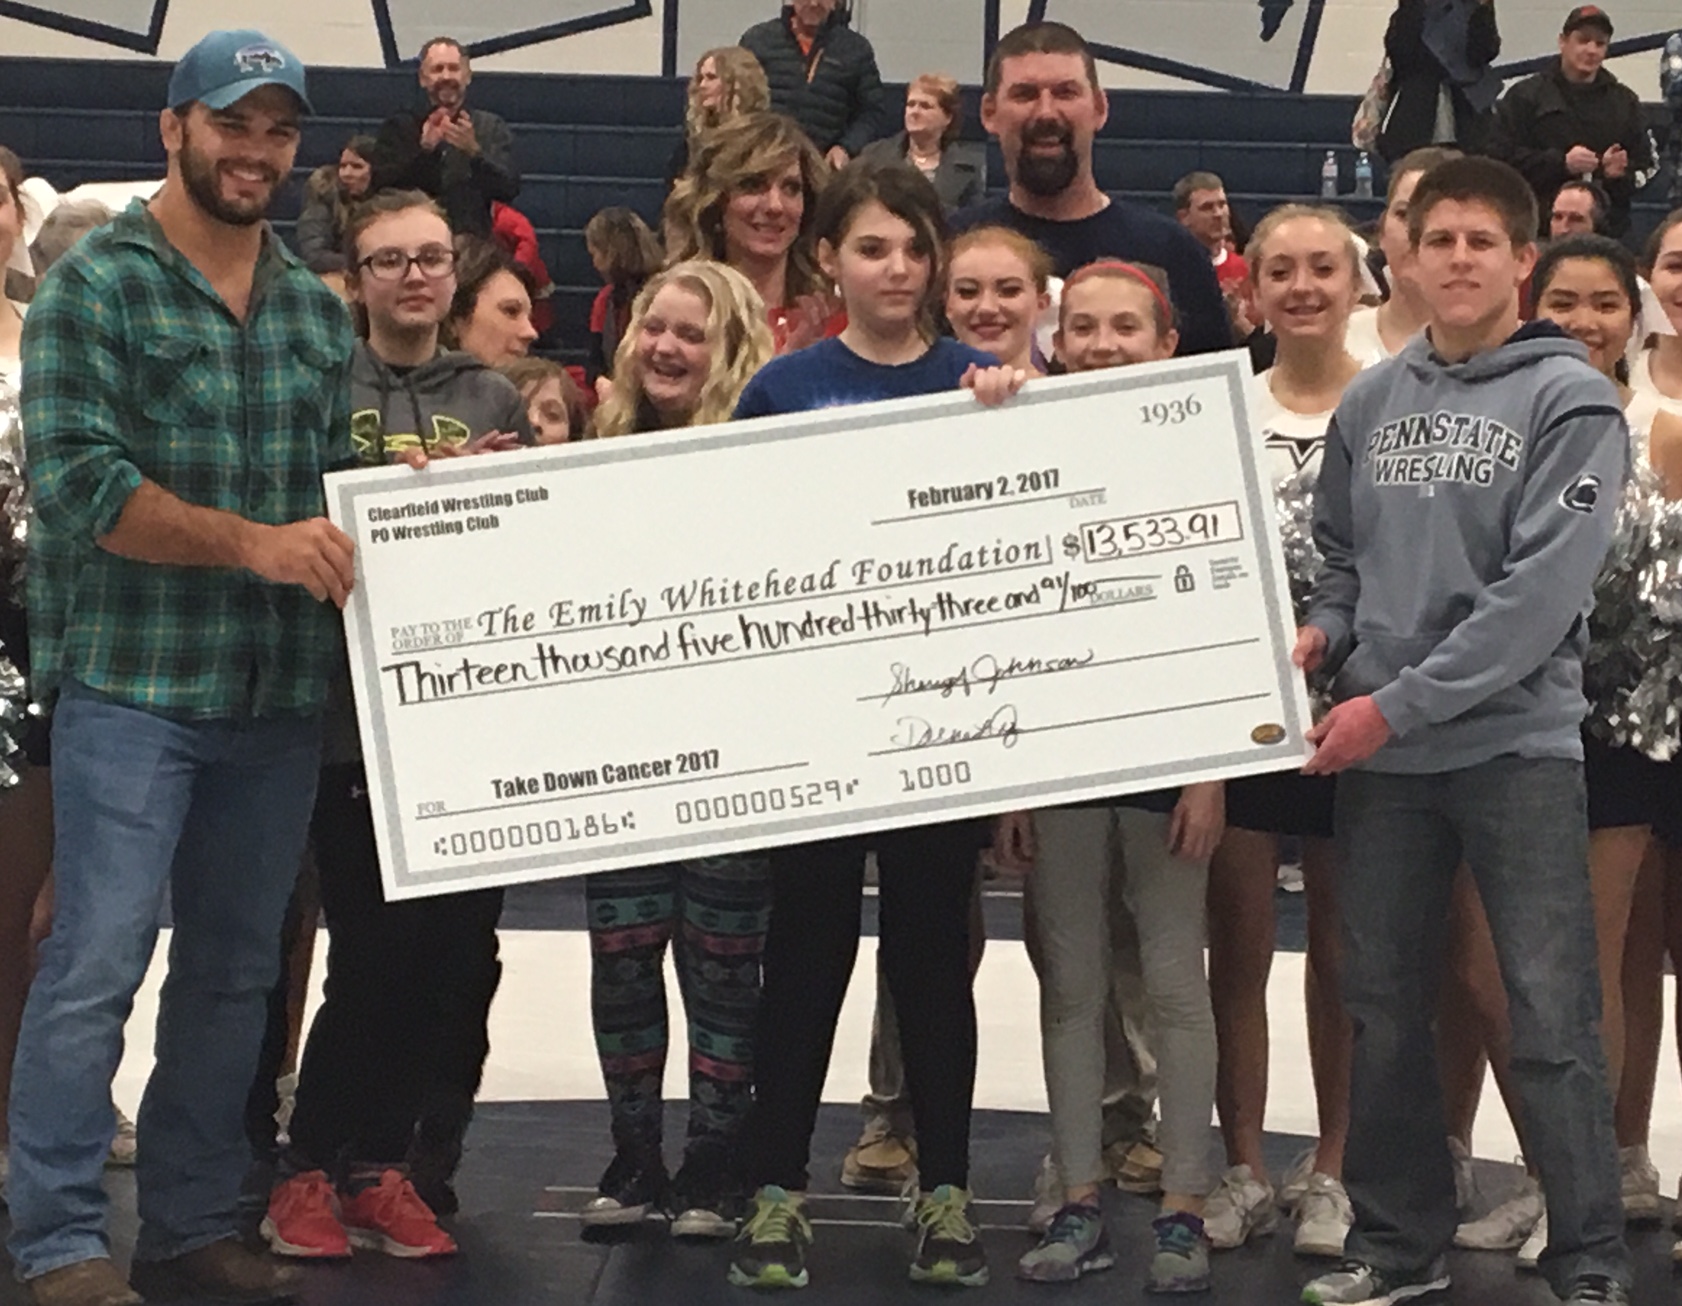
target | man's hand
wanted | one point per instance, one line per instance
(432, 130)
(838, 157)
(1199, 820)
(1615, 163)
(1014, 849)
(1351, 732)
(315, 554)
(458, 131)
(1581, 161)
(993, 385)
(1310, 650)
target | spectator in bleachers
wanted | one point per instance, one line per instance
(490, 316)
(328, 195)
(516, 237)
(749, 200)
(555, 405)
(463, 158)
(728, 82)
(1200, 203)
(62, 228)
(1575, 119)
(625, 255)
(930, 144)
(11, 235)
(1043, 102)
(1443, 85)
(822, 74)
(1579, 209)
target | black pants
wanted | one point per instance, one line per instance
(927, 877)
(401, 1040)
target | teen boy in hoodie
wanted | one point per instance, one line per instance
(1466, 501)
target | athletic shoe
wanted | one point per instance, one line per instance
(1241, 1208)
(1075, 1244)
(1324, 1217)
(949, 1247)
(1465, 1181)
(95, 1282)
(880, 1162)
(1134, 1166)
(771, 1249)
(1181, 1262)
(1294, 1186)
(390, 1217)
(124, 1142)
(1048, 1197)
(629, 1190)
(697, 1200)
(1598, 1290)
(303, 1219)
(1507, 1226)
(1640, 1185)
(1356, 1284)
(1531, 1253)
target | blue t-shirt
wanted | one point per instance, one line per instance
(829, 375)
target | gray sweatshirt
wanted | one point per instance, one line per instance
(450, 399)
(1463, 511)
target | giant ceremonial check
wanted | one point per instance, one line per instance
(640, 649)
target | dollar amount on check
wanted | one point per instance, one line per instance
(641, 649)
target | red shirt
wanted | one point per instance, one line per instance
(513, 231)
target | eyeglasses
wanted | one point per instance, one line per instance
(392, 264)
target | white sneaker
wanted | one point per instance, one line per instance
(1048, 1198)
(1640, 1185)
(1294, 1186)
(1242, 1207)
(1534, 1245)
(1465, 1181)
(1508, 1225)
(1324, 1217)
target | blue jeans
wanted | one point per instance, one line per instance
(1522, 827)
(214, 814)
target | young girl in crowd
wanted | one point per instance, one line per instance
(555, 405)
(625, 255)
(697, 334)
(880, 236)
(1378, 333)
(395, 1054)
(1588, 286)
(750, 199)
(1151, 851)
(1304, 266)
(728, 82)
(332, 190)
(490, 316)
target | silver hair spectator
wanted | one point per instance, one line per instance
(63, 227)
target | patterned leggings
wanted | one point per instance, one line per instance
(716, 910)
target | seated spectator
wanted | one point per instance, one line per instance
(63, 227)
(517, 238)
(555, 405)
(625, 255)
(328, 196)
(1579, 209)
(930, 144)
(822, 74)
(727, 82)
(1443, 88)
(490, 315)
(1201, 205)
(749, 200)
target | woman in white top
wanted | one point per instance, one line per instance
(1378, 333)
(1658, 371)
(11, 232)
(1305, 265)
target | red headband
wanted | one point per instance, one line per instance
(1128, 270)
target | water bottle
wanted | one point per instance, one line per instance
(1363, 176)
(1328, 176)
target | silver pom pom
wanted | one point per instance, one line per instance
(1295, 499)
(16, 712)
(14, 496)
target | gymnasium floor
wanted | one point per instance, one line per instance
(540, 1142)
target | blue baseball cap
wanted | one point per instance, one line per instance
(226, 66)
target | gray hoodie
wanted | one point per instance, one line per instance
(450, 399)
(1464, 510)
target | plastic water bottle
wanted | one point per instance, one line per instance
(1363, 176)
(1328, 176)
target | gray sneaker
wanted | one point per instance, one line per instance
(1356, 1284)
(1074, 1244)
(1596, 1290)
(1181, 1263)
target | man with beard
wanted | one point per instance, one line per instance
(463, 158)
(1043, 102)
(186, 384)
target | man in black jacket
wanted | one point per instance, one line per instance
(1575, 119)
(822, 74)
(463, 158)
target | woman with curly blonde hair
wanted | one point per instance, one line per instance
(748, 199)
(728, 82)
(697, 336)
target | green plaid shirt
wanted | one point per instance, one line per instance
(135, 368)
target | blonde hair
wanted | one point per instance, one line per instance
(1032, 254)
(745, 89)
(736, 329)
(1276, 218)
(744, 153)
(944, 91)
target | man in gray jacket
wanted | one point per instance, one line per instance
(1466, 503)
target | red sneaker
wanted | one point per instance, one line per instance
(390, 1217)
(302, 1220)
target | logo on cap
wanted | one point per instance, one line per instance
(259, 59)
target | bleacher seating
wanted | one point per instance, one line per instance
(584, 142)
